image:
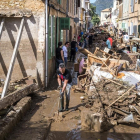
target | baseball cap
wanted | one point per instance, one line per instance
(62, 65)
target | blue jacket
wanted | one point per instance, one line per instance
(108, 44)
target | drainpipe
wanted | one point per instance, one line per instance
(46, 43)
(67, 16)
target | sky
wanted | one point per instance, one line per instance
(92, 1)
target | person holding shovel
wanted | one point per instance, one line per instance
(64, 79)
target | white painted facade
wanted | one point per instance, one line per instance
(115, 13)
(104, 14)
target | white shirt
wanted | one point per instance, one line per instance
(126, 37)
(65, 51)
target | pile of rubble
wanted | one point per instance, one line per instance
(111, 86)
(100, 35)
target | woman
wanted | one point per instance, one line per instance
(59, 54)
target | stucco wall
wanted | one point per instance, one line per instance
(30, 58)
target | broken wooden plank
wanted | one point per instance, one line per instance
(118, 83)
(93, 59)
(84, 51)
(121, 96)
(98, 50)
(17, 95)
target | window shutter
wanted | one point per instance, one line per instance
(57, 31)
(64, 23)
(54, 34)
(61, 35)
(49, 39)
(132, 6)
(51, 35)
(59, 1)
(139, 29)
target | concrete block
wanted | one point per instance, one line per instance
(8, 123)
(94, 121)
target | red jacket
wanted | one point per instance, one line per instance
(111, 40)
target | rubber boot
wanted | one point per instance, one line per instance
(67, 104)
(61, 104)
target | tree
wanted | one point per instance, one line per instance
(96, 20)
(94, 16)
(92, 11)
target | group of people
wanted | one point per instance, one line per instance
(85, 40)
(62, 52)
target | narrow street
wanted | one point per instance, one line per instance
(39, 125)
(101, 37)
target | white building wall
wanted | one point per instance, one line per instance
(114, 13)
(103, 17)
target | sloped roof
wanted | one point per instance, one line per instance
(106, 10)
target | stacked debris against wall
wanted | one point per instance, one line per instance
(111, 85)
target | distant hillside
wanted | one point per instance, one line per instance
(102, 4)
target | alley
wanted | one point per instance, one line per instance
(39, 123)
(69, 69)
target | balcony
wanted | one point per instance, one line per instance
(87, 1)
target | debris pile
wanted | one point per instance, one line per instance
(110, 82)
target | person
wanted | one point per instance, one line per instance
(85, 41)
(120, 32)
(59, 54)
(73, 49)
(126, 38)
(108, 43)
(64, 79)
(81, 41)
(90, 40)
(79, 38)
(123, 32)
(65, 50)
(81, 65)
(110, 39)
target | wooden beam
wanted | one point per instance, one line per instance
(17, 95)
(10, 70)
(121, 96)
(1, 27)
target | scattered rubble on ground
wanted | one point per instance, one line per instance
(110, 82)
(17, 90)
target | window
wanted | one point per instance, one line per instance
(64, 23)
(59, 1)
(132, 6)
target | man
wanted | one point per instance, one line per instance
(126, 38)
(90, 40)
(73, 49)
(65, 50)
(108, 43)
(64, 78)
(110, 39)
(123, 32)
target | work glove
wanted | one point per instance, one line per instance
(61, 93)
(59, 87)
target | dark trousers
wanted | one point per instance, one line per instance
(73, 53)
(58, 62)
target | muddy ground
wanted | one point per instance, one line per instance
(37, 123)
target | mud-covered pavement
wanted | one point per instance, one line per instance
(38, 125)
